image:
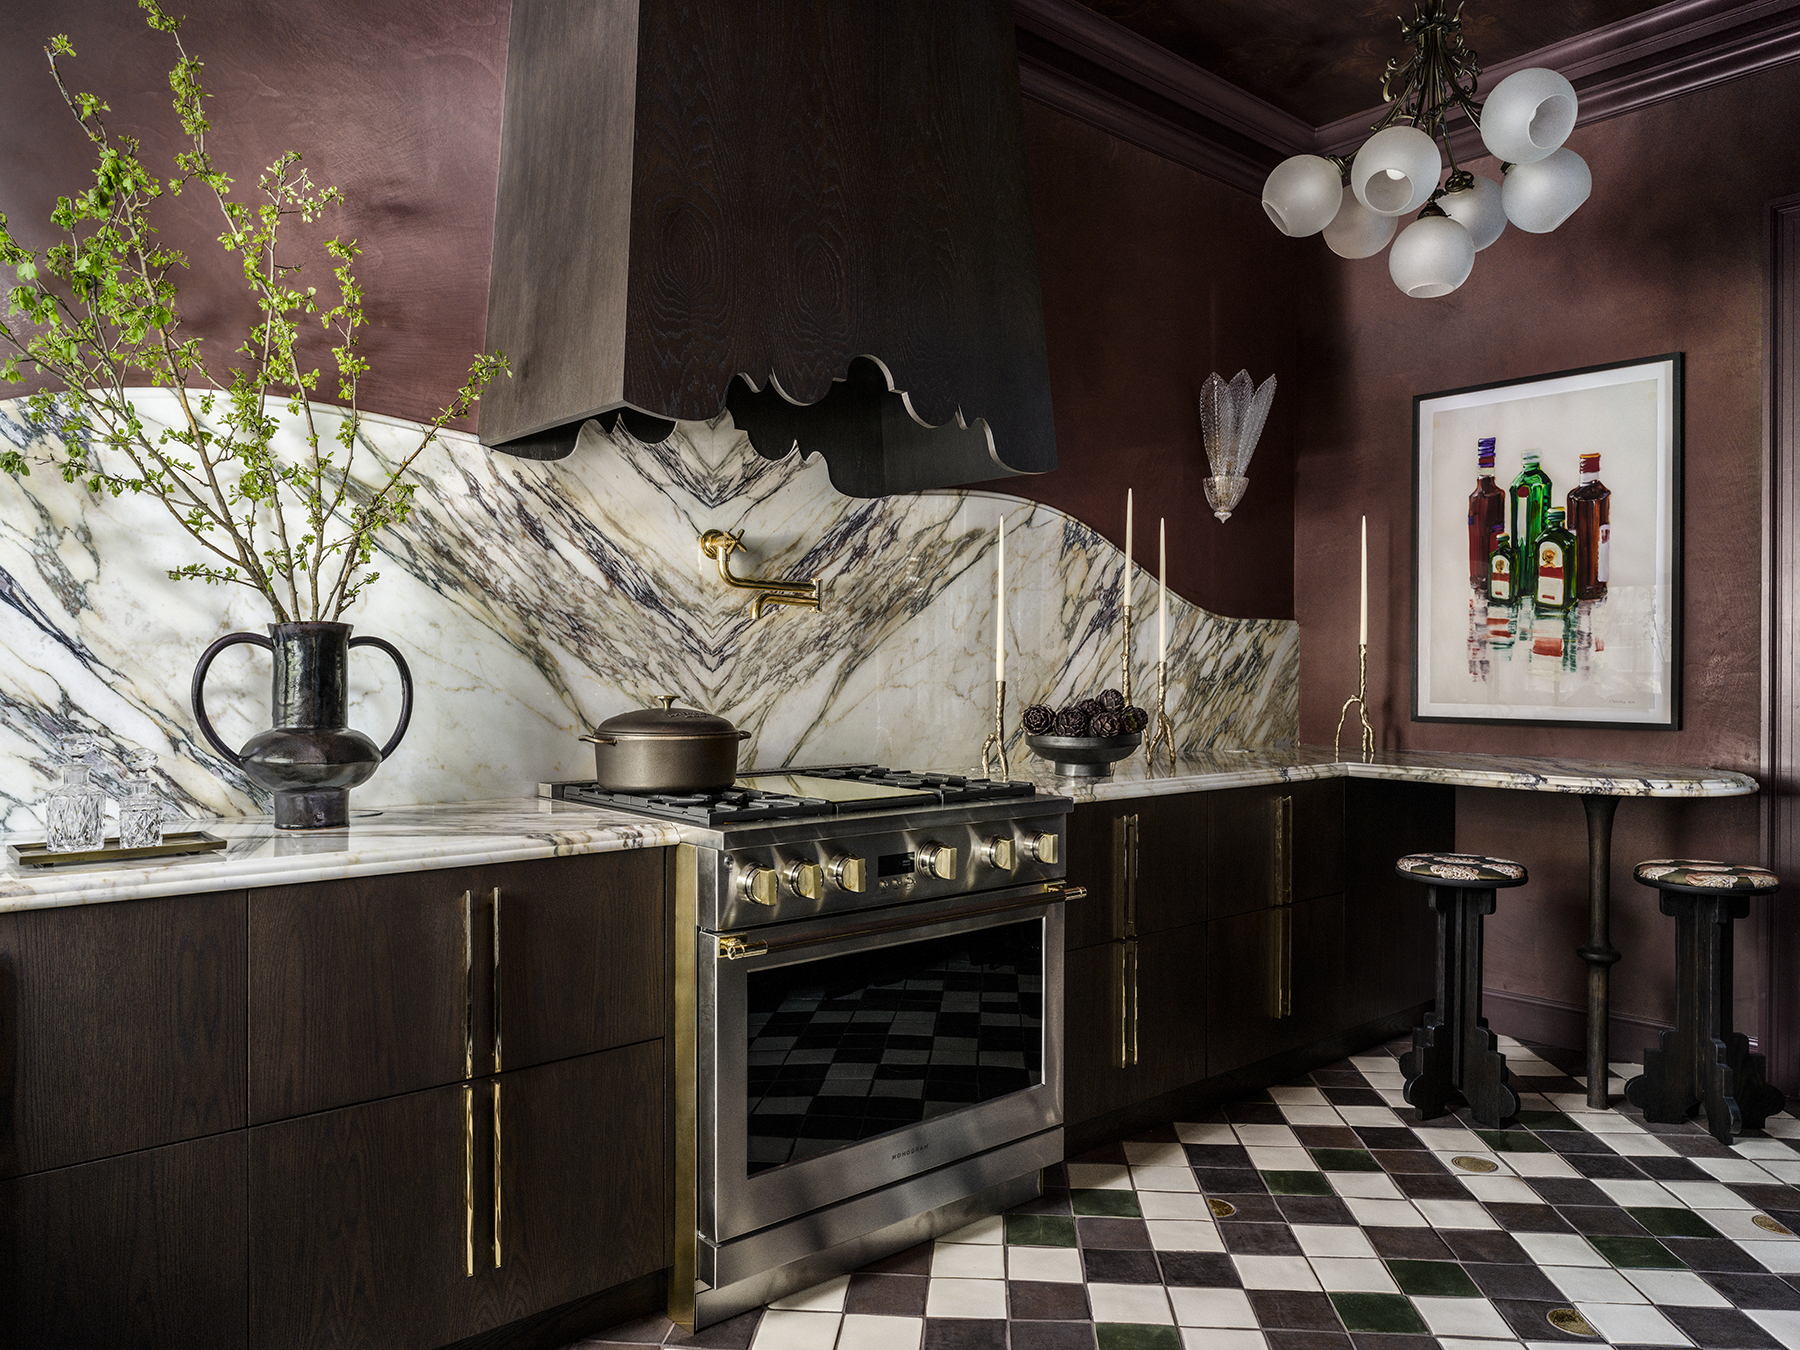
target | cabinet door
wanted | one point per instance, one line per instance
(141, 1250)
(1134, 1021)
(581, 1199)
(1143, 862)
(121, 1027)
(1269, 845)
(364, 1225)
(1093, 866)
(1390, 932)
(581, 960)
(1171, 1009)
(1273, 981)
(360, 989)
(1095, 1033)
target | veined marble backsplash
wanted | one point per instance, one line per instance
(535, 600)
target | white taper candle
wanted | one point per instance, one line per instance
(1162, 591)
(1000, 607)
(1362, 632)
(1125, 576)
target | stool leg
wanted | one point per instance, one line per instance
(1712, 990)
(1482, 1071)
(1670, 1086)
(1429, 1066)
(1756, 1099)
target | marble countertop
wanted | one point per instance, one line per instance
(403, 839)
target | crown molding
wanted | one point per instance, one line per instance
(1667, 52)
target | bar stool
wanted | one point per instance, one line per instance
(1454, 1051)
(1701, 1061)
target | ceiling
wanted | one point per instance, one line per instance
(1320, 60)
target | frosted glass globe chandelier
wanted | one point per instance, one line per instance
(1523, 124)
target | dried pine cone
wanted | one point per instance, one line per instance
(1112, 700)
(1038, 719)
(1072, 721)
(1090, 706)
(1105, 724)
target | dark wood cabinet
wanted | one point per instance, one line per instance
(1271, 845)
(121, 1027)
(1390, 932)
(1134, 1023)
(143, 1250)
(1144, 864)
(1273, 981)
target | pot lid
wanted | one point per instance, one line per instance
(668, 720)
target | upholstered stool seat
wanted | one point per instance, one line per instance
(1454, 1052)
(1701, 1062)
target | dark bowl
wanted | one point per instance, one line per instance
(1084, 756)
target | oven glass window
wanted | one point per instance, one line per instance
(850, 1047)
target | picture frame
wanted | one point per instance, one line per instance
(1571, 622)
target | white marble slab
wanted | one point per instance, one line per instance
(535, 600)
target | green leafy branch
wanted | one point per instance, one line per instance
(98, 311)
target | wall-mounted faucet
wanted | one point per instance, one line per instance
(719, 546)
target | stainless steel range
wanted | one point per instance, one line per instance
(868, 1019)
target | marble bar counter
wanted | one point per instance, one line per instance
(1221, 769)
(402, 839)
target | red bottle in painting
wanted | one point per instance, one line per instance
(1590, 515)
(1487, 514)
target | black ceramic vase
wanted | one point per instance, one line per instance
(310, 759)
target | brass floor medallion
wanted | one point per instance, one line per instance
(1469, 1164)
(1571, 1322)
(1763, 1221)
(1222, 1209)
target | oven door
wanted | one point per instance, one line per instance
(860, 1050)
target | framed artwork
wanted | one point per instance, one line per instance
(1547, 549)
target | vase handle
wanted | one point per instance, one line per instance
(406, 688)
(198, 692)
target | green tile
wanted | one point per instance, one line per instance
(1378, 1312)
(1136, 1336)
(1345, 1159)
(1111, 1204)
(1546, 1120)
(1513, 1141)
(1433, 1279)
(1297, 1183)
(1040, 1230)
(1674, 1222)
(1637, 1253)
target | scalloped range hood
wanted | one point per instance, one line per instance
(812, 212)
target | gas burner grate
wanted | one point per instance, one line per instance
(731, 807)
(950, 787)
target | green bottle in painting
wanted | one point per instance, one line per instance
(1554, 589)
(1530, 501)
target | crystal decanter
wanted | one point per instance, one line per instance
(75, 810)
(141, 811)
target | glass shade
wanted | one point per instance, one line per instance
(1302, 194)
(1396, 171)
(1478, 210)
(1357, 232)
(1528, 116)
(1432, 257)
(1539, 197)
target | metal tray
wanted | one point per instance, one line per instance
(192, 841)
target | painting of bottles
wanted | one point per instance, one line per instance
(1547, 548)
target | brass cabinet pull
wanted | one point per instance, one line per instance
(1125, 875)
(468, 984)
(1131, 986)
(468, 1180)
(496, 981)
(497, 1182)
(1125, 987)
(1282, 872)
(1281, 962)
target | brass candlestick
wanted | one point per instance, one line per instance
(995, 744)
(1164, 734)
(1361, 700)
(1125, 656)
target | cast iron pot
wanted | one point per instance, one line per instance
(666, 749)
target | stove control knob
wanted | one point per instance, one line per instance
(939, 860)
(1043, 847)
(1001, 853)
(757, 885)
(850, 874)
(806, 880)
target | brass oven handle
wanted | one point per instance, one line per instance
(468, 984)
(468, 1179)
(497, 1181)
(496, 980)
(734, 946)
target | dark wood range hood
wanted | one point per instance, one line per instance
(813, 212)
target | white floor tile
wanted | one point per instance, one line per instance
(1155, 1155)
(1099, 1177)
(1633, 1192)
(1740, 1224)
(1373, 1117)
(1783, 1326)
(1281, 1159)
(1608, 1122)
(1781, 1257)
(1212, 1307)
(1173, 1205)
(1639, 1146)
(1560, 1249)
(1058, 1265)
(1267, 1136)
(865, 1332)
(1385, 1213)
(1706, 1195)
(990, 1229)
(1394, 1097)
(1353, 1275)
(1631, 1324)
(1573, 1103)
(1462, 1317)
(781, 1329)
(1500, 1190)
(1311, 1115)
(1318, 1239)
(1764, 1148)
(1782, 1171)
(1593, 1284)
(967, 1261)
(1379, 1063)
(1463, 1343)
(1184, 1235)
(1455, 1214)
(1782, 1127)
(966, 1298)
(1298, 1096)
(827, 1297)
(1677, 1288)
(1733, 1169)
(1367, 1185)
(1144, 1303)
(1190, 1133)
(1541, 1165)
(1219, 1338)
(1451, 1139)
(1275, 1272)
(1164, 1179)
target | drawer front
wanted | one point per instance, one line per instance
(1143, 863)
(1274, 845)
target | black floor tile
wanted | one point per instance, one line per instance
(1531, 1321)
(1774, 1198)
(1254, 1113)
(1431, 1186)
(1605, 1166)
(1520, 1218)
(1314, 1209)
(1399, 1162)
(1408, 1244)
(1721, 1329)
(1230, 1181)
(1568, 1191)
(1375, 1340)
(1118, 1233)
(887, 1295)
(912, 1261)
(1259, 1239)
(1396, 1136)
(1250, 1209)
(1043, 1300)
(1704, 1254)
(1052, 1336)
(1475, 1244)
(1294, 1310)
(1119, 1266)
(1670, 1169)
(1512, 1282)
(1754, 1290)
(1610, 1220)
(964, 1333)
(1205, 1270)
(734, 1334)
(1219, 1155)
(1307, 1340)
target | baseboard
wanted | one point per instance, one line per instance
(644, 1297)
(1547, 1021)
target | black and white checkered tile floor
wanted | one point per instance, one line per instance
(1322, 1215)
